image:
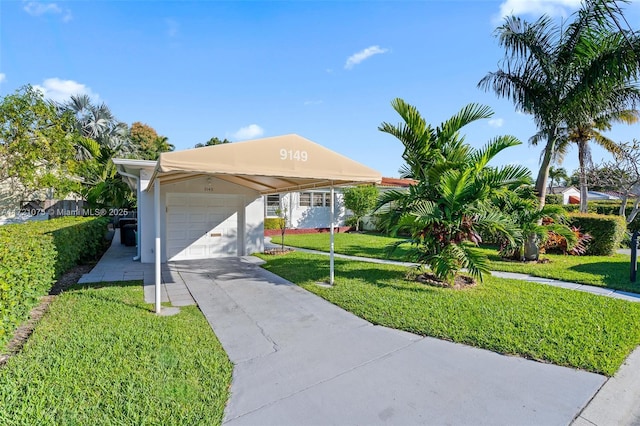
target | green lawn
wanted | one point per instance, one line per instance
(536, 321)
(603, 271)
(101, 356)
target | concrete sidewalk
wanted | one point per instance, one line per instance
(299, 360)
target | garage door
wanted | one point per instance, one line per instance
(201, 226)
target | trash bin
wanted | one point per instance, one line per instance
(122, 223)
(129, 234)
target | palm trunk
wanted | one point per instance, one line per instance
(582, 159)
(543, 173)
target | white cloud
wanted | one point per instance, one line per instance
(61, 90)
(3, 77)
(356, 58)
(496, 122)
(249, 132)
(561, 8)
(36, 8)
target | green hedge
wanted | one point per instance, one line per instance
(272, 222)
(34, 254)
(606, 231)
(553, 199)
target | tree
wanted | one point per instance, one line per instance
(213, 141)
(450, 207)
(621, 175)
(557, 175)
(36, 144)
(149, 144)
(565, 76)
(104, 138)
(361, 200)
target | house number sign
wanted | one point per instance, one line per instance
(293, 155)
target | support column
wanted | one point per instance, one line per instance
(158, 259)
(331, 244)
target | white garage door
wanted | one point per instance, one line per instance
(201, 226)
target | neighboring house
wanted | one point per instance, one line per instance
(311, 209)
(571, 195)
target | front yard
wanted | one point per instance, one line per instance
(550, 324)
(101, 356)
(603, 271)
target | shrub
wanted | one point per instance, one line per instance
(553, 199)
(606, 232)
(556, 243)
(272, 222)
(34, 254)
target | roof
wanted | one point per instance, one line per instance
(397, 182)
(268, 165)
(128, 168)
(561, 189)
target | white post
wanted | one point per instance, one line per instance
(156, 208)
(331, 271)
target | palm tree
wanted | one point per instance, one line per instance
(564, 77)
(556, 175)
(450, 207)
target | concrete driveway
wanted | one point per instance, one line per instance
(300, 360)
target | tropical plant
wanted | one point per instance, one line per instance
(213, 141)
(535, 224)
(566, 75)
(450, 207)
(147, 141)
(361, 200)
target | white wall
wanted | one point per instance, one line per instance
(251, 219)
(312, 217)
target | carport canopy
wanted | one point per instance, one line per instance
(269, 166)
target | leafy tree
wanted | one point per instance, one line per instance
(450, 207)
(36, 144)
(148, 142)
(361, 200)
(566, 76)
(213, 141)
(282, 224)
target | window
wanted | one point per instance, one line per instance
(272, 204)
(315, 199)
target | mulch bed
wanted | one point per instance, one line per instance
(23, 332)
(460, 282)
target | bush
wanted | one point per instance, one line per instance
(553, 199)
(606, 231)
(34, 254)
(272, 222)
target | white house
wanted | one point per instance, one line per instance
(571, 195)
(209, 202)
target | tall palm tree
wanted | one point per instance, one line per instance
(450, 206)
(556, 175)
(565, 76)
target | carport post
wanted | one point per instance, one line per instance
(156, 209)
(331, 273)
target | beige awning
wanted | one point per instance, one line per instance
(269, 165)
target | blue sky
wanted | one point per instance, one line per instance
(241, 70)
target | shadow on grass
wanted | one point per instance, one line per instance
(614, 274)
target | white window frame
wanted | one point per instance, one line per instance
(270, 209)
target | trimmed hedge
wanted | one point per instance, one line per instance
(34, 254)
(606, 232)
(272, 222)
(553, 199)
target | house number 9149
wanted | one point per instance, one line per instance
(291, 155)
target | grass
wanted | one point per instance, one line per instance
(541, 322)
(100, 356)
(602, 271)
